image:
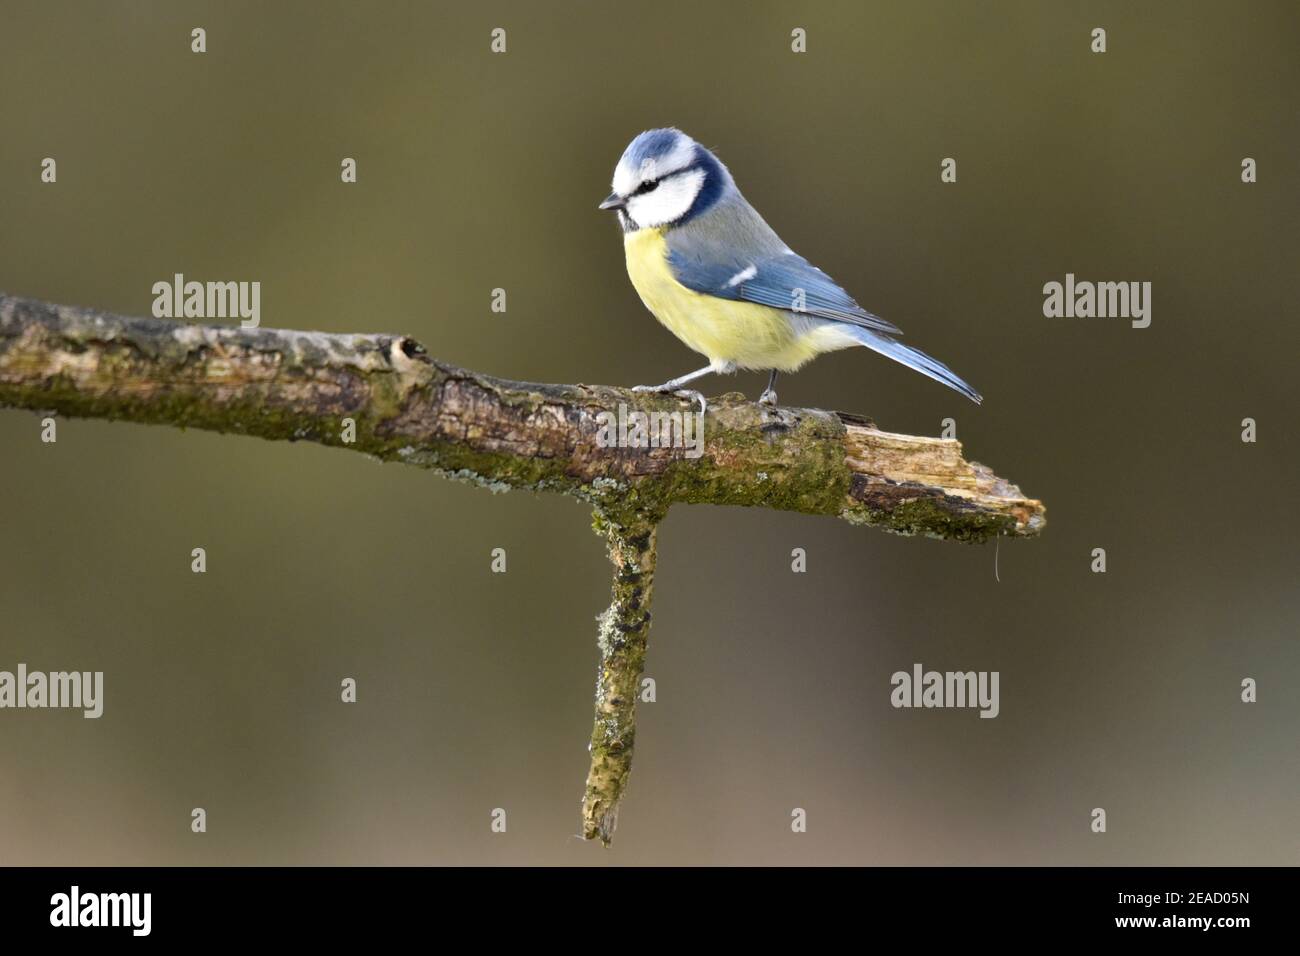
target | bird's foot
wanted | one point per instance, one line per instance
(670, 388)
(768, 397)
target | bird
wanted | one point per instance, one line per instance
(712, 271)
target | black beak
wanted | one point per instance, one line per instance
(613, 201)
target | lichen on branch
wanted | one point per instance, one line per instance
(406, 406)
(622, 631)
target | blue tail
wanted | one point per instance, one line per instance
(913, 359)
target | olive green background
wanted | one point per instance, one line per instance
(1119, 690)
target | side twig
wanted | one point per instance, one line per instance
(623, 630)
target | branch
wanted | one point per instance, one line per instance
(385, 396)
(408, 407)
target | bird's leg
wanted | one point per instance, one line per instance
(769, 394)
(673, 384)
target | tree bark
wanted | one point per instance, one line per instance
(622, 634)
(408, 407)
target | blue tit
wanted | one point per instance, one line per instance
(710, 269)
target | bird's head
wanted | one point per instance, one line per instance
(665, 178)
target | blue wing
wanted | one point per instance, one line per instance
(731, 253)
(783, 280)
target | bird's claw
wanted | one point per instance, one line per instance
(768, 397)
(694, 396)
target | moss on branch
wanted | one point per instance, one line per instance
(622, 632)
(409, 407)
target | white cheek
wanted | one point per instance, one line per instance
(670, 201)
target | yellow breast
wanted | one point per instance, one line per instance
(751, 335)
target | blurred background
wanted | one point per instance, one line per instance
(478, 171)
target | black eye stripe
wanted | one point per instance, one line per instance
(650, 185)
